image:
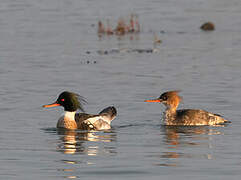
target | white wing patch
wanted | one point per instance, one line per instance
(92, 120)
(98, 122)
(97, 118)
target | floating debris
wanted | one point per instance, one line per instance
(109, 30)
(126, 50)
(138, 28)
(121, 28)
(208, 26)
(101, 28)
(157, 40)
(88, 52)
(88, 62)
(103, 52)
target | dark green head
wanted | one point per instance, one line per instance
(70, 101)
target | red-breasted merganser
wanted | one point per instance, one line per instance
(185, 117)
(72, 120)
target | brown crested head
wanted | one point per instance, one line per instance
(171, 98)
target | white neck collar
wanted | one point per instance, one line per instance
(69, 115)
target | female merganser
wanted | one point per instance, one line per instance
(185, 117)
(72, 120)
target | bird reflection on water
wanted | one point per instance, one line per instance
(84, 142)
(72, 142)
(180, 141)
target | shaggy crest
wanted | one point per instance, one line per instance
(71, 101)
(171, 98)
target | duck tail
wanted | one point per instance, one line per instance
(226, 121)
(109, 112)
(222, 120)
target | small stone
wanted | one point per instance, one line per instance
(208, 26)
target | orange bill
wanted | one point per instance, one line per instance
(51, 105)
(153, 100)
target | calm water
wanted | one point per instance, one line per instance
(47, 47)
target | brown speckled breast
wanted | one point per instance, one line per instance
(67, 124)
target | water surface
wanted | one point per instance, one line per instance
(47, 47)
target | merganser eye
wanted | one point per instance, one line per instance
(62, 100)
(164, 98)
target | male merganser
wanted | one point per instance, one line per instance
(185, 117)
(72, 120)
